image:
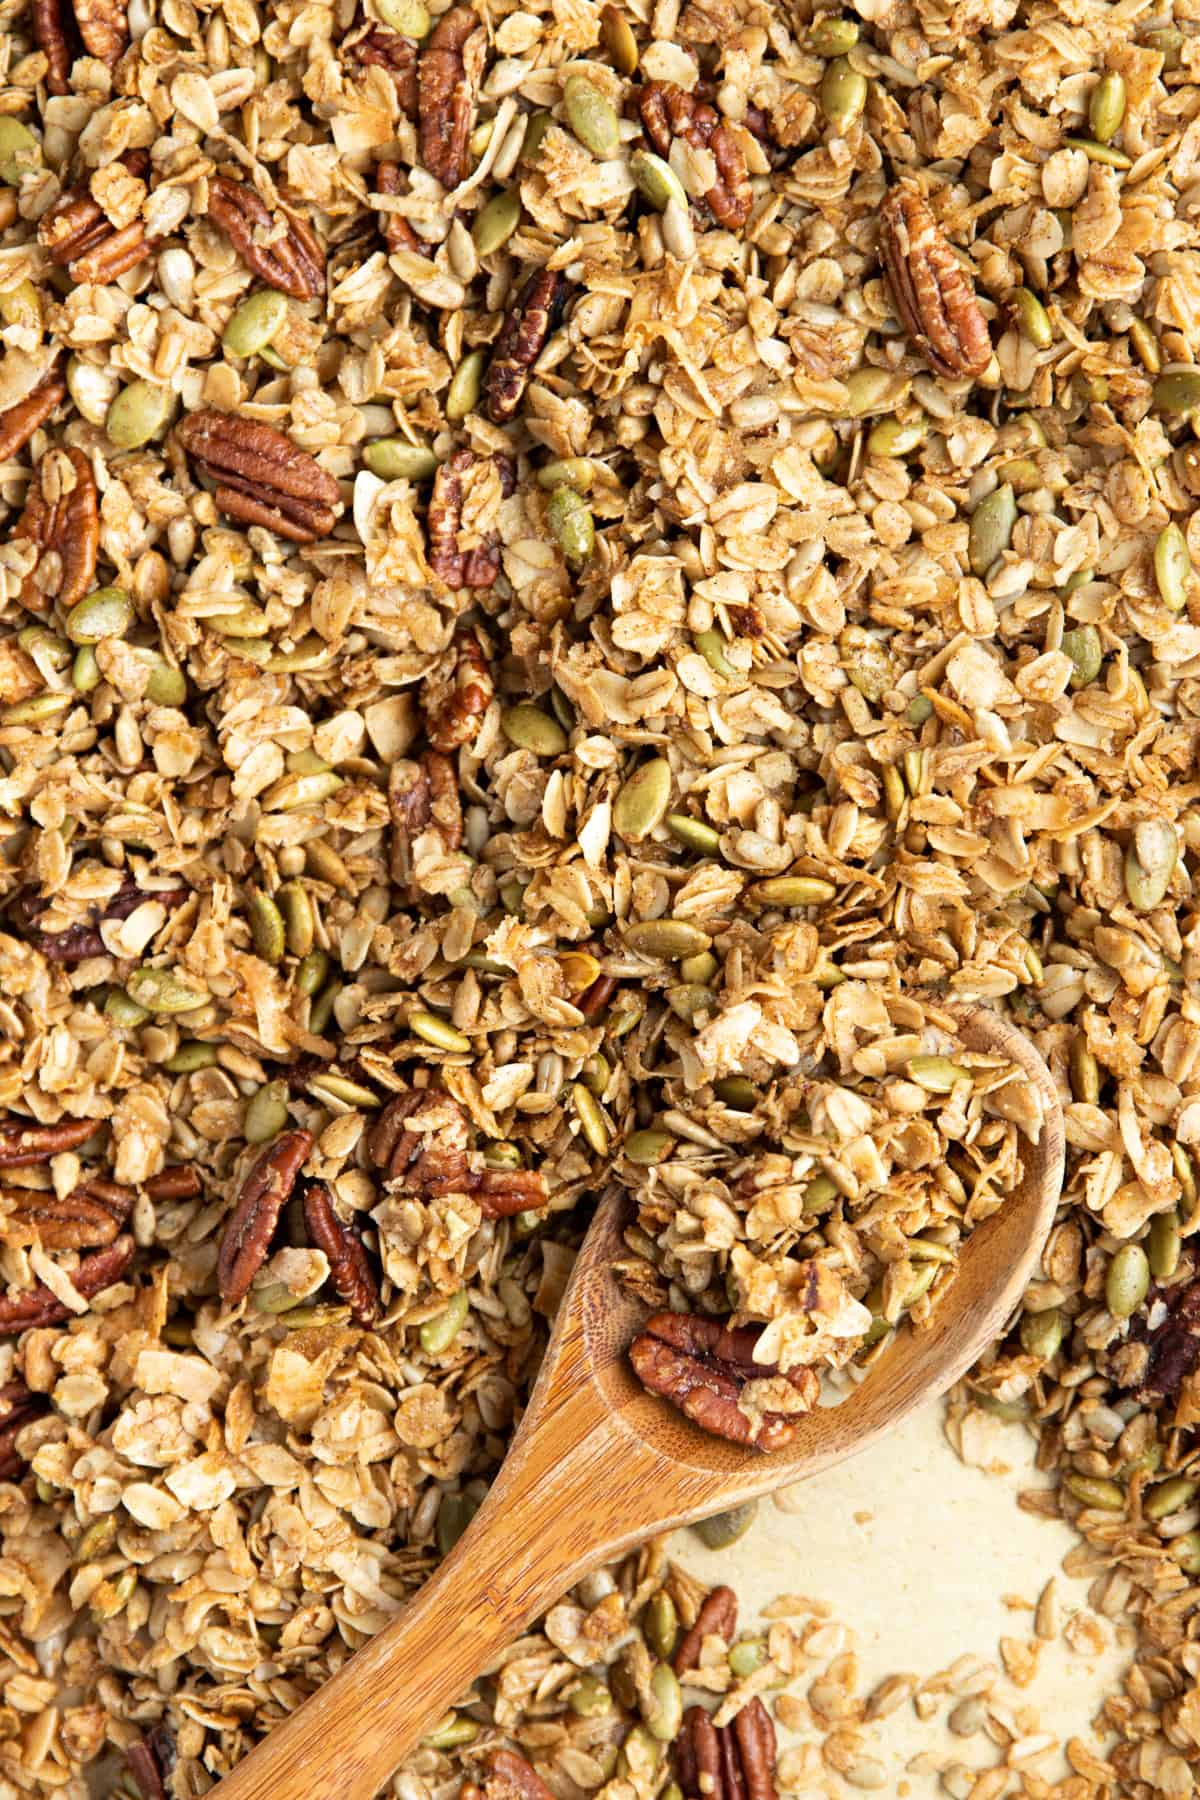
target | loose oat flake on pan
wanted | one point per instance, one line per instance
(574, 583)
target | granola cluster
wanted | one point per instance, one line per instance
(574, 580)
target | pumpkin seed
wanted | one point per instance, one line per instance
(1084, 1071)
(496, 222)
(690, 1001)
(793, 890)
(409, 17)
(1187, 1551)
(897, 437)
(167, 990)
(1172, 568)
(579, 970)
(1106, 108)
(894, 791)
(37, 709)
(736, 1092)
(1145, 345)
(643, 800)
(454, 1515)
(663, 1708)
(747, 1655)
(645, 1148)
(312, 972)
(1032, 319)
(298, 922)
(97, 1540)
(107, 613)
(936, 1074)
(873, 390)
(266, 1113)
(165, 685)
(437, 1032)
(591, 1119)
(395, 459)
(1042, 1333)
(589, 1698)
(577, 472)
(1126, 1281)
(451, 1731)
(660, 1624)
(20, 152)
(619, 40)
(1100, 153)
(1163, 1243)
(310, 653)
(527, 727)
(669, 939)
(919, 709)
(722, 1529)
(657, 181)
(1150, 862)
(266, 928)
(437, 1334)
(138, 414)
(1177, 389)
(112, 1596)
(693, 833)
(502, 1155)
(832, 36)
(124, 1011)
(21, 305)
(639, 1757)
(539, 124)
(294, 791)
(318, 1318)
(1096, 1492)
(843, 94)
(466, 385)
(339, 1088)
(274, 1298)
(991, 528)
(1168, 40)
(590, 117)
(190, 1057)
(1085, 650)
(711, 646)
(85, 670)
(321, 1010)
(1170, 1497)
(570, 519)
(255, 322)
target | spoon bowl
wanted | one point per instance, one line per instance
(599, 1464)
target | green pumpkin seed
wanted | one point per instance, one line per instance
(190, 1057)
(693, 833)
(793, 890)
(1100, 153)
(1085, 650)
(1170, 1497)
(1126, 1281)
(85, 670)
(138, 414)
(339, 1088)
(1173, 568)
(991, 529)
(321, 1010)
(1168, 41)
(495, 223)
(1150, 862)
(395, 459)
(591, 1119)
(747, 1655)
(123, 1011)
(725, 1528)
(409, 17)
(539, 124)
(690, 1001)
(639, 1757)
(437, 1032)
(832, 36)
(643, 800)
(319, 1318)
(589, 1698)
(873, 390)
(44, 646)
(462, 396)
(1187, 1552)
(919, 709)
(1145, 345)
(711, 646)
(437, 1334)
(897, 437)
(662, 1709)
(619, 40)
(737, 1093)
(1163, 1244)
(1177, 389)
(1042, 1334)
(657, 181)
(1084, 1071)
(590, 117)
(313, 971)
(701, 967)
(577, 472)
(165, 685)
(255, 322)
(1106, 108)
(1032, 319)
(669, 939)
(310, 653)
(97, 1540)
(645, 1148)
(454, 1515)
(570, 519)
(266, 928)
(936, 1074)
(20, 152)
(21, 305)
(295, 791)
(451, 1731)
(273, 1299)
(266, 1113)
(112, 1596)
(167, 990)
(107, 613)
(527, 727)
(843, 95)
(660, 1625)
(298, 922)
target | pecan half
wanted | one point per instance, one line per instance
(62, 519)
(500, 1193)
(17, 1407)
(717, 1617)
(432, 1159)
(507, 1776)
(101, 26)
(261, 477)
(39, 1306)
(1169, 1353)
(22, 1144)
(398, 55)
(422, 794)
(87, 1218)
(283, 250)
(477, 565)
(18, 423)
(398, 234)
(180, 1182)
(523, 336)
(260, 1201)
(76, 942)
(934, 296)
(151, 1761)
(727, 1762)
(669, 112)
(454, 697)
(349, 1266)
(702, 1368)
(77, 235)
(445, 97)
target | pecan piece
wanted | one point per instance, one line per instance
(477, 565)
(23, 1143)
(77, 235)
(87, 1218)
(398, 234)
(62, 519)
(349, 1267)
(445, 97)
(1170, 1352)
(717, 1617)
(180, 1182)
(260, 1201)
(594, 999)
(18, 423)
(702, 1367)
(151, 1761)
(430, 1161)
(667, 112)
(290, 259)
(507, 1776)
(501, 1193)
(100, 25)
(261, 477)
(398, 55)
(934, 296)
(39, 1306)
(422, 794)
(727, 1762)
(522, 339)
(454, 697)
(76, 942)
(17, 1407)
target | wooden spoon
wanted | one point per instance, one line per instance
(598, 1465)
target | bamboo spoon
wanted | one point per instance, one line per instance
(598, 1465)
